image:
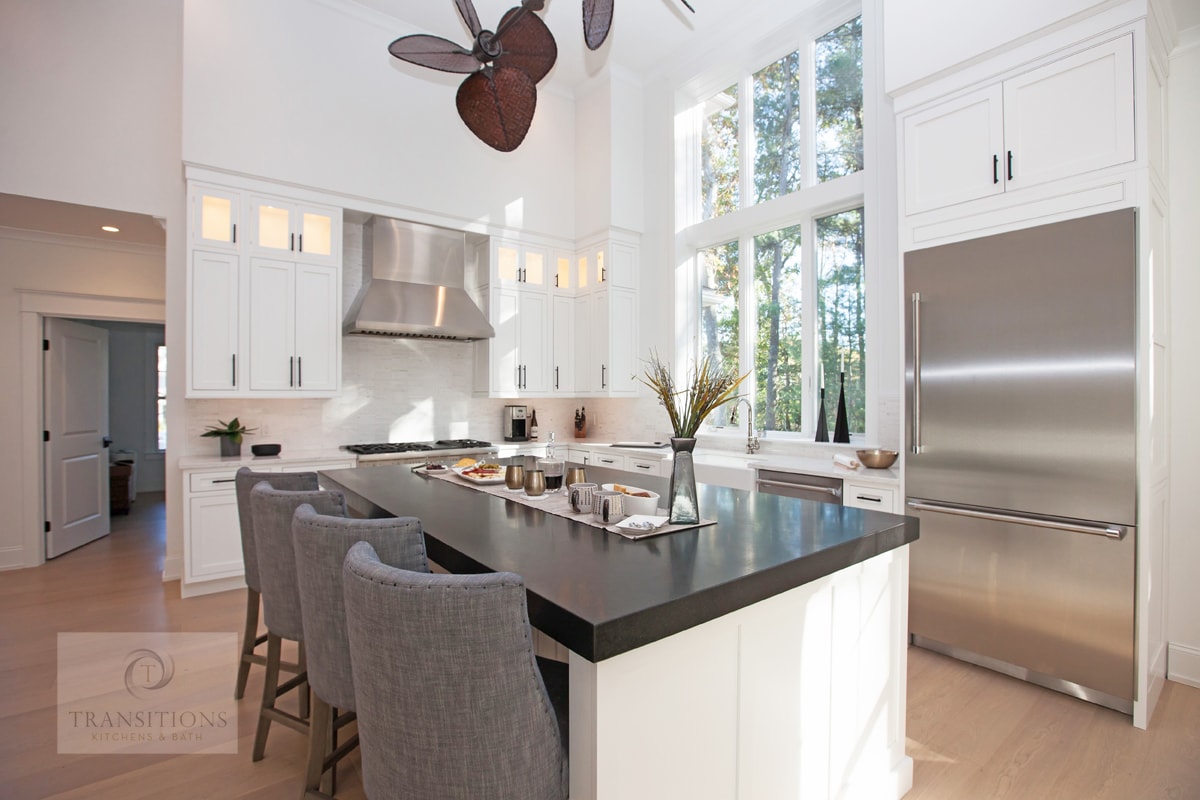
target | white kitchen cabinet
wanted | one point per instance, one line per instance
(517, 357)
(294, 334)
(647, 466)
(213, 322)
(608, 460)
(1066, 118)
(606, 343)
(562, 344)
(516, 265)
(579, 455)
(260, 327)
(212, 554)
(866, 495)
(307, 233)
(214, 216)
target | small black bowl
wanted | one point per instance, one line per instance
(265, 449)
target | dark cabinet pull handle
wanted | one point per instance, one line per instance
(995, 169)
(291, 371)
(1010, 165)
(301, 240)
(556, 377)
(292, 242)
(603, 376)
(299, 371)
(867, 498)
(603, 274)
(233, 381)
(225, 480)
(235, 233)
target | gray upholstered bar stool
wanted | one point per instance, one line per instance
(245, 480)
(451, 703)
(321, 544)
(272, 510)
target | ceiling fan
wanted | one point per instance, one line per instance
(499, 95)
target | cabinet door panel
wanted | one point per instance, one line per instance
(318, 342)
(1071, 116)
(215, 215)
(214, 537)
(533, 347)
(272, 323)
(951, 151)
(213, 322)
(505, 356)
(587, 367)
(622, 353)
(623, 269)
(562, 348)
(600, 341)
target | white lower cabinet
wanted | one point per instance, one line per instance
(862, 495)
(212, 534)
(608, 460)
(647, 466)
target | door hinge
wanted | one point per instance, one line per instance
(45, 344)
(47, 526)
(45, 436)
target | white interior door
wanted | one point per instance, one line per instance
(76, 424)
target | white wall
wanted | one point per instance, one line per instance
(305, 92)
(1183, 545)
(35, 262)
(964, 32)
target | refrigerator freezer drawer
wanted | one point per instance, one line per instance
(1055, 603)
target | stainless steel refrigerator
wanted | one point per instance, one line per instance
(1021, 452)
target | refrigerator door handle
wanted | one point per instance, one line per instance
(1110, 531)
(916, 365)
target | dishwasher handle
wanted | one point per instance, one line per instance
(807, 487)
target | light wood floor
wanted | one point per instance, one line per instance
(972, 734)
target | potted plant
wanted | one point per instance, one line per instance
(230, 434)
(708, 387)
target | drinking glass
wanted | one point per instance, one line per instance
(514, 476)
(553, 468)
(535, 482)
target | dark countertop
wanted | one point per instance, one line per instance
(601, 594)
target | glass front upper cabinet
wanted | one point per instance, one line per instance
(215, 217)
(307, 232)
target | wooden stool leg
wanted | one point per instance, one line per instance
(270, 686)
(319, 731)
(303, 689)
(249, 637)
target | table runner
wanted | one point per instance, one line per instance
(557, 504)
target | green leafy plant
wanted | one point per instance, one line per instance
(232, 430)
(708, 387)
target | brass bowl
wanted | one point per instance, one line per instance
(877, 459)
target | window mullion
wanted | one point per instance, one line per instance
(747, 319)
(808, 328)
(746, 141)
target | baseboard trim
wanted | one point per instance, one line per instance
(1183, 664)
(172, 568)
(12, 558)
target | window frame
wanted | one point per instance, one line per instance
(801, 208)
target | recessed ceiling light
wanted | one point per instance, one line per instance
(110, 228)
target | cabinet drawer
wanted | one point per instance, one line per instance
(610, 460)
(212, 481)
(646, 466)
(862, 496)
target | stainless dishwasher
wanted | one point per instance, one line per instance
(806, 487)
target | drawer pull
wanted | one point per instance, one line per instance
(226, 480)
(868, 498)
(642, 466)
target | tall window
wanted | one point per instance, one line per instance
(161, 352)
(773, 136)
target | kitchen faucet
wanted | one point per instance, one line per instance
(751, 437)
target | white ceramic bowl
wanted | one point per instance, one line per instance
(635, 505)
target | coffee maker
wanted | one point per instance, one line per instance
(515, 424)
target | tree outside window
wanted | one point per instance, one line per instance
(807, 105)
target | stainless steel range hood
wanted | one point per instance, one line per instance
(413, 284)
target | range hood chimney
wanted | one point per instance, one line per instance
(413, 284)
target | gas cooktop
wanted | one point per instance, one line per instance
(384, 448)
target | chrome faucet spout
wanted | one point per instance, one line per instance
(752, 443)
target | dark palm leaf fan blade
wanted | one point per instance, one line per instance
(526, 44)
(467, 9)
(497, 104)
(433, 52)
(597, 20)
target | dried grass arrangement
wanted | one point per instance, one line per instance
(708, 388)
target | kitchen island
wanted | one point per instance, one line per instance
(760, 657)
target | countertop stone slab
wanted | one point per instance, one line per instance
(600, 594)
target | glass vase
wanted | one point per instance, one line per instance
(683, 507)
